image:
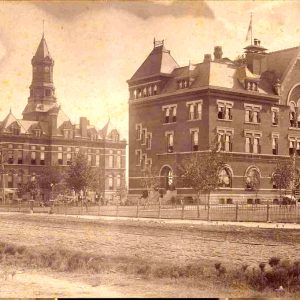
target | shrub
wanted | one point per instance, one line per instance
(274, 261)
(262, 266)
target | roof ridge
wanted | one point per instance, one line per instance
(282, 50)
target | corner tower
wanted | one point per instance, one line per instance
(42, 92)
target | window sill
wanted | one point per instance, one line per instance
(252, 123)
(226, 120)
(275, 125)
(191, 120)
(169, 123)
(294, 128)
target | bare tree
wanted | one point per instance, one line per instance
(150, 181)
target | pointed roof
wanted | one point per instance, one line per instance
(107, 129)
(158, 62)
(42, 51)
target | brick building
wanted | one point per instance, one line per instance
(250, 105)
(46, 136)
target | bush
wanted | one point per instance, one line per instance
(274, 261)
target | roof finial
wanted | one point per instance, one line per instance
(10, 110)
(154, 42)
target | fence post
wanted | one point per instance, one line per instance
(137, 207)
(268, 212)
(159, 206)
(237, 212)
(182, 209)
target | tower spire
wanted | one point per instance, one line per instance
(43, 28)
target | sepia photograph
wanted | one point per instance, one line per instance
(149, 148)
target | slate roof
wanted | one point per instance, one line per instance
(42, 51)
(158, 62)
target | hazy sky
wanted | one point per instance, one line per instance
(97, 45)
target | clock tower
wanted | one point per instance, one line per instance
(42, 92)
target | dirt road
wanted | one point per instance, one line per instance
(151, 241)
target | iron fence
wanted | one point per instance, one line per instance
(213, 212)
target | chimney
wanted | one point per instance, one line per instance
(218, 52)
(207, 58)
(83, 126)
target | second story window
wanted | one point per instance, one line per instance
(149, 140)
(138, 157)
(42, 155)
(20, 156)
(170, 141)
(33, 155)
(97, 160)
(252, 142)
(110, 159)
(252, 113)
(275, 116)
(225, 138)
(69, 156)
(143, 137)
(275, 144)
(194, 139)
(194, 109)
(138, 128)
(10, 154)
(170, 112)
(224, 110)
(60, 156)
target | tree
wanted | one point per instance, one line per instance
(201, 172)
(81, 176)
(31, 187)
(150, 181)
(50, 177)
(283, 175)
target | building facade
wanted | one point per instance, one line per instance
(46, 136)
(249, 105)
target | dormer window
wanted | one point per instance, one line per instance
(183, 83)
(155, 90)
(37, 132)
(251, 85)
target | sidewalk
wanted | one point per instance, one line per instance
(175, 221)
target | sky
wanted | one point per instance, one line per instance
(98, 45)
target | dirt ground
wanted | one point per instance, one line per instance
(147, 240)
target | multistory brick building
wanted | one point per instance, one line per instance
(250, 105)
(46, 136)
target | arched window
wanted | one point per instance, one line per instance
(167, 177)
(225, 178)
(252, 179)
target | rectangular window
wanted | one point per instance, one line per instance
(42, 155)
(149, 141)
(227, 143)
(298, 147)
(10, 181)
(110, 160)
(10, 157)
(248, 145)
(143, 161)
(118, 181)
(118, 161)
(60, 156)
(224, 110)
(110, 182)
(143, 138)
(97, 160)
(275, 117)
(167, 115)
(20, 157)
(170, 142)
(195, 140)
(292, 147)
(138, 131)
(77, 150)
(256, 145)
(138, 154)
(174, 111)
(33, 157)
(89, 157)
(252, 113)
(275, 145)
(195, 110)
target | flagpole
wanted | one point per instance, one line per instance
(251, 30)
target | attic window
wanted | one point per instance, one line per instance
(37, 132)
(251, 86)
(16, 130)
(183, 83)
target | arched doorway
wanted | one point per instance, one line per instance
(167, 178)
